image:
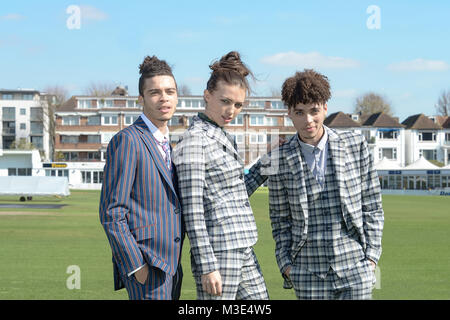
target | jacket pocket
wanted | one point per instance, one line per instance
(143, 233)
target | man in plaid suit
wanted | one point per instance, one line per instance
(325, 201)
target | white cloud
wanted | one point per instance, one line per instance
(419, 65)
(309, 60)
(12, 16)
(90, 13)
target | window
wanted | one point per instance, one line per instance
(23, 126)
(427, 136)
(388, 134)
(256, 103)
(131, 104)
(84, 104)
(94, 120)
(447, 137)
(23, 111)
(27, 97)
(36, 127)
(278, 105)
(8, 113)
(428, 154)
(257, 120)
(36, 113)
(288, 122)
(175, 121)
(92, 177)
(37, 141)
(130, 119)
(109, 103)
(257, 138)
(7, 96)
(109, 119)
(272, 121)
(69, 139)
(93, 139)
(388, 153)
(71, 120)
(239, 138)
(19, 171)
(238, 121)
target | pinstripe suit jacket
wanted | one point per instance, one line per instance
(214, 194)
(359, 192)
(139, 207)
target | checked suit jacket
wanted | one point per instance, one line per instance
(359, 193)
(139, 206)
(214, 193)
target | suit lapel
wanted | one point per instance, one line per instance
(221, 137)
(293, 158)
(338, 159)
(151, 145)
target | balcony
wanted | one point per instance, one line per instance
(9, 131)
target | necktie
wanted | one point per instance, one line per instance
(166, 148)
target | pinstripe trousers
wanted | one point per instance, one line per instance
(158, 286)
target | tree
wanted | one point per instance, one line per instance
(100, 89)
(52, 98)
(184, 90)
(443, 104)
(370, 103)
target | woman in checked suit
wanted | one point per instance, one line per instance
(214, 192)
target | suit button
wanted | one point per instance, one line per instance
(241, 177)
(177, 211)
(247, 204)
(177, 239)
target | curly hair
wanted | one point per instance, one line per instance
(305, 87)
(151, 67)
(231, 70)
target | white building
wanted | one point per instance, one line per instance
(424, 138)
(24, 119)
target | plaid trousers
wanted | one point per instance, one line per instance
(241, 274)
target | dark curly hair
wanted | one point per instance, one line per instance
(151, 67)
(305, 87)
(231, 70)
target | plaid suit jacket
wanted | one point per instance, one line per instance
(214, 195)
(359, 192)
(139, 206)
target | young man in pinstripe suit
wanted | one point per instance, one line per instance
(325, 201)
(139, 206)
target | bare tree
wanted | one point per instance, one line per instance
(51, 99)
(184, 90)
(100, 89)
(443, 104)
(370, 103)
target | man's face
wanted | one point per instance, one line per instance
(224, 103)
(160, 99)
(308, 120)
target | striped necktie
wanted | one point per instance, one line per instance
(166, 148)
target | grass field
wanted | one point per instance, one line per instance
(37, 247)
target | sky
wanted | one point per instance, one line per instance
(398, 49)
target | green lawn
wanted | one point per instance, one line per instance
(37, 248)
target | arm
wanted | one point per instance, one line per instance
(254, 178)
(280, 216)
(190, 160)
(372, 210)
(119, 174)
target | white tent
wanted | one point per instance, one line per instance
(386, 164)
(422, 164)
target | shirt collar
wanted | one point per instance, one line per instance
(321, 145)
(204, 117)
(159, 136)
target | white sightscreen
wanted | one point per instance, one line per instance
(34, 186)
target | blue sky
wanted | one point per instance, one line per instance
(406, 59)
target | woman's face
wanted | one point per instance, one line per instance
(224, 103)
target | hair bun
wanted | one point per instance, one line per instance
(231, 61)
(148, 64)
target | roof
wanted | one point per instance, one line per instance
(446, 124)
(382, 120)
(421, 164)
(340, 120)
(420, 121)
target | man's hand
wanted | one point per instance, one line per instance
(212, 283)
(288, 271)
(374, 265)
(142, 274)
